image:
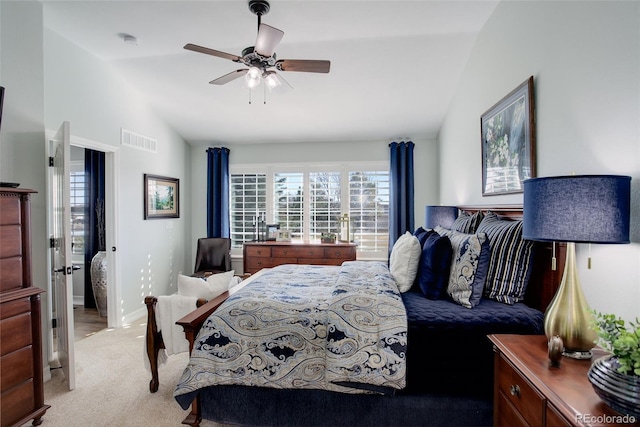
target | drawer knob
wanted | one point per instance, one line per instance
(515, 390)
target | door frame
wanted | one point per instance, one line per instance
(114, 288)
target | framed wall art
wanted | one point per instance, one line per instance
(161, 197)
(508, 142)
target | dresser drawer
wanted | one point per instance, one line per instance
(16, 367)
(257, 251)
(554, 419)
(255, 264)
(16, 402)
(14, 307)
(11, 273)
(11, 238)
(297, 252)
(15, 332)
(10, 208)
(340, 252)
(508, 415)
(520, 393)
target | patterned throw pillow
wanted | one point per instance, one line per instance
(404, 260)
(466, 223)
(511, 259)
(469, 264)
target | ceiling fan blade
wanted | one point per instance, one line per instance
(229, 77)
(303, 65)
(267, 40)
(206, 50)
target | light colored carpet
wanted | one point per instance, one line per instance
(112, 385)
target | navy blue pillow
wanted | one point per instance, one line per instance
(421, 234)
(481, 273)
(435, 262)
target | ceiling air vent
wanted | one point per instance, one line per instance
(135, 140)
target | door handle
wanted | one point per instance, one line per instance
(65, 270)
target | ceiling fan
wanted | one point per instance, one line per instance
(261, 58)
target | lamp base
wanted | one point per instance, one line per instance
(580, 355)
(569, 315)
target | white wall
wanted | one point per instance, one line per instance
(49, 80)
(87, 92)
(22, 137)
(425, 167)
(585, 59)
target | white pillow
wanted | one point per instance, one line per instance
(404, 260)
(218, 283)
(208, 289)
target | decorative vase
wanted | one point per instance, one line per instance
(620, 391)
(99, 281)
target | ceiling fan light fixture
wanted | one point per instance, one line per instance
(271, 80)
(262, 57)
(253, 77)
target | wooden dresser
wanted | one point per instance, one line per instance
(528, 392)
(21, 384)
(258, 255)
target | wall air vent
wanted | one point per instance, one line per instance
(135, 140)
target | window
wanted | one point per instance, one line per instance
(248, 198)
(369, 209)
(78, 203)
(309, 200)
(324, 203)
(288, 200)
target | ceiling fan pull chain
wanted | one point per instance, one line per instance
(264, 94)
(249, 96)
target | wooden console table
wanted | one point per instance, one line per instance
(528, 392)
(258, 255)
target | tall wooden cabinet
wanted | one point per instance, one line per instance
(21, 382)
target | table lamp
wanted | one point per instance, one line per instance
(439, 215)
(575, 209)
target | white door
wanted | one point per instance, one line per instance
(61, 262)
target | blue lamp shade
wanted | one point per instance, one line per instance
(578, 208)
(440, 215)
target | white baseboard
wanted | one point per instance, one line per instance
(46, 373)
(78, 300)
(135, 316)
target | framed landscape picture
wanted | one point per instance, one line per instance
(508, 142)
(272, 231)
(161, 197)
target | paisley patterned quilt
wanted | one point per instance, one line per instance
(301, 326)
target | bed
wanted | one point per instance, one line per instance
(437, 364)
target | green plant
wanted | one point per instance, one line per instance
(623, 342)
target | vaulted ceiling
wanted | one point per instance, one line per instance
(395, 65)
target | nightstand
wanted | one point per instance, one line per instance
(529, 392)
